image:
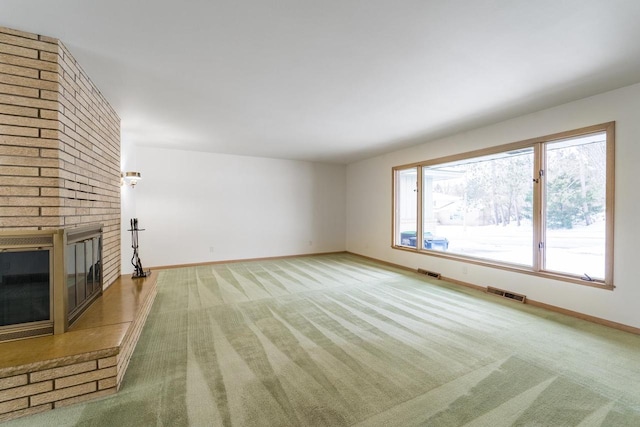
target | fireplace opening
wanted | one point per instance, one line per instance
(25, 287)
(48, 278)
(26, 284)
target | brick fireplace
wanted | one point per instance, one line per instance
(59, 145)
(59, 179)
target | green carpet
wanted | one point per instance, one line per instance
(339, 340)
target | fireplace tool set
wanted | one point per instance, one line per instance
(135, 261)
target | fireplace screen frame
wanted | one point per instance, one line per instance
(20, 243)
(77, 238)
(55, 241)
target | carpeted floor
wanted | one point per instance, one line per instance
(338, 340)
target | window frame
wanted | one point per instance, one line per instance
(538, 144)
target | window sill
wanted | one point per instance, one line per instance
(508, 267)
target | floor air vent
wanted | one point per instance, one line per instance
(506, 294)
(429, 273)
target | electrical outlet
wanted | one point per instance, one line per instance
(464, 269)
(210, 249)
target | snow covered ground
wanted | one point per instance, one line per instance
(576, 251)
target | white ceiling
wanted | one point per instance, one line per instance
(334, 80)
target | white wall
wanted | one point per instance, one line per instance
(127, 205)
(200, 207)
(369, 205)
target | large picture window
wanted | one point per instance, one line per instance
(543, 206)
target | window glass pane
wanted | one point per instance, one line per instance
(406, 207)
(575, 195)
(481, 207)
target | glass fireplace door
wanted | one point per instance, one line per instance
(84, 283)
(25, 287)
